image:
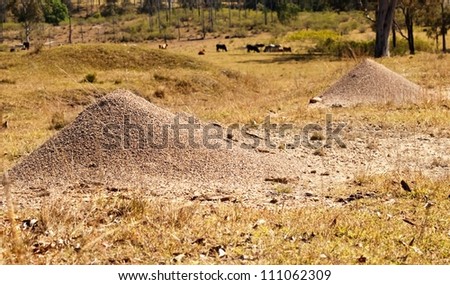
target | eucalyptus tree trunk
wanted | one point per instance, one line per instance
(410, 28)
(384, 19)
(443, 27)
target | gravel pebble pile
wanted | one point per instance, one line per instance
(369, 83)
(119, 140)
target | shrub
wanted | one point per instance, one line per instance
(402, 47)
(342, 48)
(7, 81)
(90, 77)
(58, 121)
(160, 92)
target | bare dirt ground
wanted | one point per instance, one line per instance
(280, 171)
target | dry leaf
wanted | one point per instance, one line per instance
(246, 257)
(428, 204)
(409, 222)
(77, 247)
(200, 241)
(178, 257)
(333, 222)
(222, 253)
(219, 250)
(289, 238)
(417, 250)
(258, 223)
(405, 186)
(30, 224)
(362, 259)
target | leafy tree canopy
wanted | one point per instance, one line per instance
(54, 11)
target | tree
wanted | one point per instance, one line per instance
(343, 5)
(70, 10)
(54, 11)
(384, 19)
(409, 9)
(28, 13)
(445, 22)
(286, 11)
(2, 18)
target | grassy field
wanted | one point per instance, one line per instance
(41, 92)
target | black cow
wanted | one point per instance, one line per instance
(220, 47)
(253, 48)
(26, 45)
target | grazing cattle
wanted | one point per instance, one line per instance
(220, 47)
(202, 52)
(18, 47)
(287, 49)
(273, 48)
(253, 48)
(26, 45)
(163, 46)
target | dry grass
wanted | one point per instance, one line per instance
(235, 87)
(389, 226)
